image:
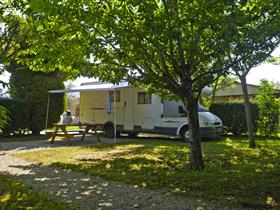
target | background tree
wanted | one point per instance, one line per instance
(3, 111)
(274, 60)
(269, 110)
(254, 44)
(32, 88)
(4, 119)
(28, 87)
(171, 47)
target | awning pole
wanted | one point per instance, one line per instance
(47, 115)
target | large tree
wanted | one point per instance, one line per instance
(28, 86)
(171, 47)
(254, 44)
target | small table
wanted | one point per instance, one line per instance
(64, 134)
(62, 127)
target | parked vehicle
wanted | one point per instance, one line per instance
(124, 109)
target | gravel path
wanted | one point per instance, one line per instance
(88, 192)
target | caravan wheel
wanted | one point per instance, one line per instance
(109, 131)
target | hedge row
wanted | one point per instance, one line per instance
(233, 116)
(17, 113)
(23, 116)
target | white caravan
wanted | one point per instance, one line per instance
(132, 110)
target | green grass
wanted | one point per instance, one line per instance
(68, 128)
(234, 174)
(15, 195)
(23, 138)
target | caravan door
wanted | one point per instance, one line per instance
(128, 112)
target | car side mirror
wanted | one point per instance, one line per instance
(181, 110)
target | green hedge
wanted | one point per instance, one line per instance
(233, 116)
(32, 87)
(17, 113)
(32, 117)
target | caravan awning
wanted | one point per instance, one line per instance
(93, 87)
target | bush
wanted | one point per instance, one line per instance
(32, 88)
(233, 116)
(17, 112)
(4, 119)
(269, 107)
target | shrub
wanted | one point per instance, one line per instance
(17, 112)
(32, 88)
(233, 116)
(4, 119)
(269, 106)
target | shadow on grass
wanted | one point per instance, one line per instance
(238, 175)
(15, 195)
(234, 174)
(89, 192)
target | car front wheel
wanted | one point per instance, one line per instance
(185, 134)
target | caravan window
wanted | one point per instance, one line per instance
(115, 96)
(144, 98)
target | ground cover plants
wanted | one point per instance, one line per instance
(234, 174)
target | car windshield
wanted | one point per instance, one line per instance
(201, 108)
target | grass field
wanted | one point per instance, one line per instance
(235, 174)
(15, 195)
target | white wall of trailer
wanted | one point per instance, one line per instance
(127, 112)
(147, 115)
(94, 108)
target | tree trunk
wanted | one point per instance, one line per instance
(250, 129)
(214, 91)
(196, 161)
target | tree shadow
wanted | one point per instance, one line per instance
(89, 192)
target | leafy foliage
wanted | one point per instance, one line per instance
(269, 110)
(236, 175)
(32, 88)
(233, 117)
(27, 86)
(3, 117)
(17, 112)
(15, 195)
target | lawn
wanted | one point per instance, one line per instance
(69, 128)
(15, 195)
(234, 174)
